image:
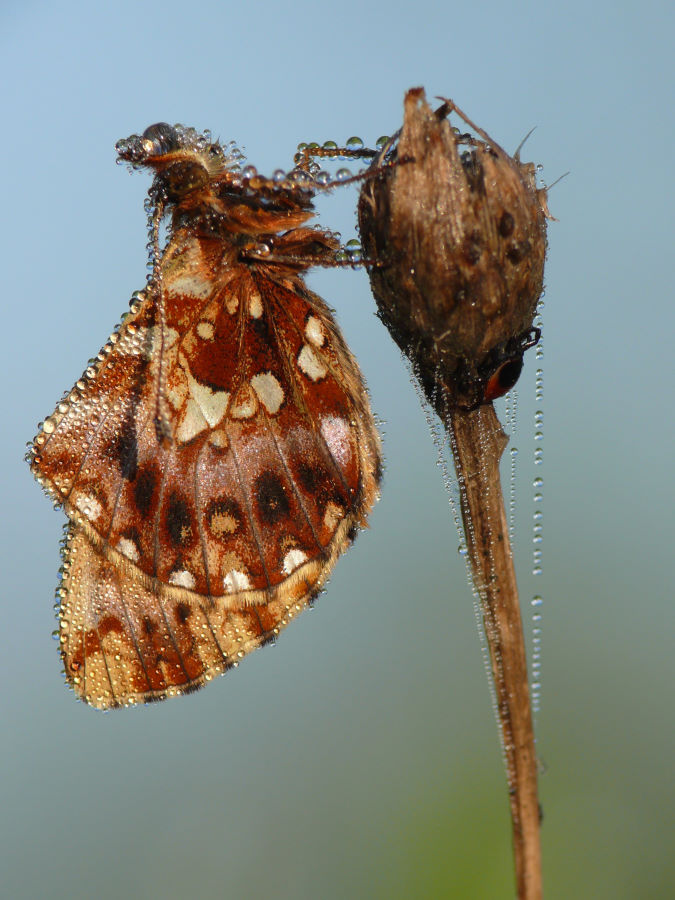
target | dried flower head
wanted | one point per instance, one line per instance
(458, 230)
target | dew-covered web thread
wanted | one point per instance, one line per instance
(442, 438)
(537, 523)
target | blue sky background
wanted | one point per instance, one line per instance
(359, 757)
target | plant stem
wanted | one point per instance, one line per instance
(478, 443)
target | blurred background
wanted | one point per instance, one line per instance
(358, 757)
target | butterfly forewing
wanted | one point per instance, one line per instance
(192, 543)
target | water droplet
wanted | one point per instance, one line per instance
(298, 177)
(329, 145)
(537, 570)
(354, 250)
(381, 141)
(538, 482)
(342, 174)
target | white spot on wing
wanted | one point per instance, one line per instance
(205, 330)
(269, 391)
(255, 306)
(191, 286)
(333, 515)
(128, 548)
(311, 364)
(336, 433)
(314, 331)
(236, 581)
(212, 403)
(182, 578)
(293, 559)
(89, 506)
(192, 422)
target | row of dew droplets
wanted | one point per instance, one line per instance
(352, 252)
(443, 442)
(353, 148)
(537, 523)
(511, 424)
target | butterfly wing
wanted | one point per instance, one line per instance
(186, 553)
(124, 643)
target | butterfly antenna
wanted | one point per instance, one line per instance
(162, 423)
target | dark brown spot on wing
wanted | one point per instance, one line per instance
(271, 499)
(144, 489)
(182, 612)
(126, 451)
(179, 521)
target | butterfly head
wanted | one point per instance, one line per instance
(183, 159)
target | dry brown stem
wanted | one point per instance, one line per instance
(478, 443)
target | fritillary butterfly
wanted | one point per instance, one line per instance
(220, 453)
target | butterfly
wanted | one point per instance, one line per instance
(219, 453)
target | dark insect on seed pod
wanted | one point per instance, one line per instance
(457, 230)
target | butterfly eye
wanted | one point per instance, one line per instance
(159, 138)
(503, 378)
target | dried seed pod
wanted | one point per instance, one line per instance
(458, 230)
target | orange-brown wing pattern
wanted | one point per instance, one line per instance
(123, 643)
(185, 553)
